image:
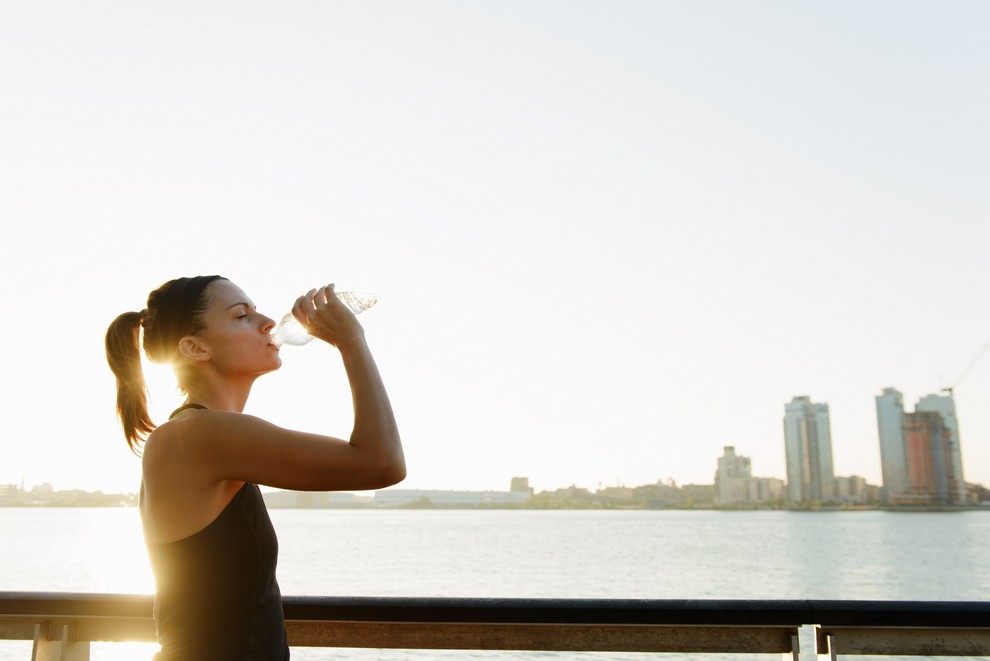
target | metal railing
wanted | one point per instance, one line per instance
(62, 625)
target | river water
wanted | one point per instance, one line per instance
(523, 553)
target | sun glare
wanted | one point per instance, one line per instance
(123, 651)
(163, 388)
(115, 552)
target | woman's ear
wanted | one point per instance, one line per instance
(194, 348)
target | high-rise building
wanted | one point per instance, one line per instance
(893, 452)
(926, 438)
(945, 406)
(920, 453)
(808, 448)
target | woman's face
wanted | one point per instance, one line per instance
(236, 335)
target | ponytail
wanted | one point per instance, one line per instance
(124, 357)
(174, 310)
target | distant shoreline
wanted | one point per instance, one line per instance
(534, 508)
(651, 497)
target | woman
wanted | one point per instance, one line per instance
(211, 544)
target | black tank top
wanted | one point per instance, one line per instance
(216, 595)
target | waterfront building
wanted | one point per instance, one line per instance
(617, 495)
(735, 484)
(893, 452)
(808, 449)
(756, 490)
(697, 494)
(659, 495)
(945, 406)
(9, 494)
(926, 439)
(730, 477)
(920, 452)
(852, 489)
(314, 499)
(520, 484)
(767, 489)
(405, 497)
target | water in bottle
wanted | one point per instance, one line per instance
(290, 332)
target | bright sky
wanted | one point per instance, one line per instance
(608, 238)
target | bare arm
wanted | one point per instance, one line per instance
(375, 432)
(220, 445)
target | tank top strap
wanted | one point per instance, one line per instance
(186, 407)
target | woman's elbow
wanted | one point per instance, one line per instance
(383, 471)
(394, 472)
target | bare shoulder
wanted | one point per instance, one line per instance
(209, 446)
(165, 452)
(158, 445)
(193, 428)
(167, 438)
(181, 447)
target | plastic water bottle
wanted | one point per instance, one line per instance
(291, 332)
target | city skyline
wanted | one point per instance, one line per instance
(807, 449)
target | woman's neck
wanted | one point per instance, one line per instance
(231, 397)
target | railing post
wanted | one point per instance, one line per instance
(72, 649)
(44, 648)
(794, 654)
(830, 641)
(804, 645)
(66, 648)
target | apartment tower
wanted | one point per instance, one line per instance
(920, 454)
(808, 448)
(945, 406)
(893, 451)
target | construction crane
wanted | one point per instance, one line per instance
(966, 370)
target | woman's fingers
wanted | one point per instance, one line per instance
(304, 309)
(326, 294)
(325, 316)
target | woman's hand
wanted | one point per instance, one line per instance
(326, 317)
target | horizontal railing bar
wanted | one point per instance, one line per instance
(16, 629)
(76, 603)
(543, 637)
(917, 641)
(547, 611)
(947, 614)
(942, 614)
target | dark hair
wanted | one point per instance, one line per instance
(174, 310)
